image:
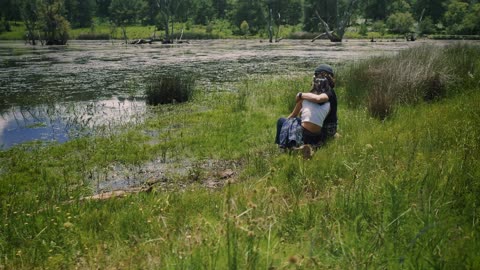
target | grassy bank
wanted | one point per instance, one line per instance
(216, 30)
(399, 193)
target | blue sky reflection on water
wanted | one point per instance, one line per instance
(64, 121)
(13, 131)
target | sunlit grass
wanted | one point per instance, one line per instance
(401, 193)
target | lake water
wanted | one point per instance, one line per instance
(57, 93)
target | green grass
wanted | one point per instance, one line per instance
(17, 32)
(397, 194)
(382, 83)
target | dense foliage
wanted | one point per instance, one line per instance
(401, 16)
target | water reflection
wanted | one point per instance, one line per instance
(88, 76)
(61, 122)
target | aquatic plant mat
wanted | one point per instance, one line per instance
(397, 193)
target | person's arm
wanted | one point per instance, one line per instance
(317, 98)
(296, 110)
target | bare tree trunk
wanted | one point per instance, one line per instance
(167, 27)
(330, 34)
(337, 34)
(124, 31)
(270, 32)
(278, 30)
(171, 32)
(181, 35)
(322, 35)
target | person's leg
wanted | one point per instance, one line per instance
(328, 131)
(310, 138)
(280, 123)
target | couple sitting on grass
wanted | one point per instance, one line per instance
(314, 119)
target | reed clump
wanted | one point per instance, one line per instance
(169, 88)
(412, 76)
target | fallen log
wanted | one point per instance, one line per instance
(116, 194)
(322, 35)
(142, 41)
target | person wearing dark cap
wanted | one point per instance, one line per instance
(318, 110)
(329, 127)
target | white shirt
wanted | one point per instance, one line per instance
(314, 113)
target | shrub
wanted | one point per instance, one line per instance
(244, 27)
(379, 26)
(380, 104)
(426, 26)
(400, 23)
(414, 75)
(363, 29)
(169, 88)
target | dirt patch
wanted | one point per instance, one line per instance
(119, 179)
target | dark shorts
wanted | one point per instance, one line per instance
(327, 132)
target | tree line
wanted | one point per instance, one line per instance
(52, 19)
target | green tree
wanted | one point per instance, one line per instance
(124, 13)
(363, 31)
(375, 9)
(150, 12)
(282, 12)
(29, 15)
(471, 21)
(429, 8)
(293, 13)
(285, 11)
(169, 12)
(426, 26)
(10, 10)
(251, 11)
(31, 18)
(87, 9)
(80, 13)
(202, 11)
(102, 9)
(399, 6)
(382, 9)
(380, 27)
(400, 23)
(244, 27)
(221, 7)
(328, 11)
(453, 17)
(55, 27)
(462, 18)
(342, 19)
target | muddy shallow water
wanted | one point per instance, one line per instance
(56, 93)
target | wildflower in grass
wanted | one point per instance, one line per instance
(68, 225)
(272, 190)
(293, 259)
